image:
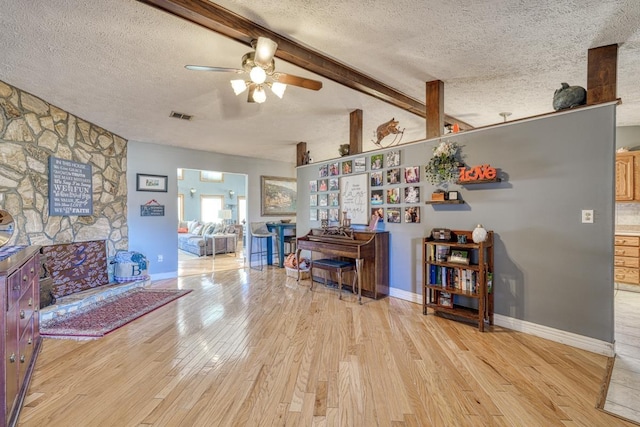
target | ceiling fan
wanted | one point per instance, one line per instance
(260, 66)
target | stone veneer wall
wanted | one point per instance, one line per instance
(31, 130)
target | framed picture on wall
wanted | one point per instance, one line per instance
(146, 182)
(393, 158)
(347, 167)
(278, 196)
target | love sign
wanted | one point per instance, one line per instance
(477, 173)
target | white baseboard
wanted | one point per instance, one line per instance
(579, 341)
(405, 295)
(162, 276)
(563, 337)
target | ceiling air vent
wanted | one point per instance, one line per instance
(181, 116)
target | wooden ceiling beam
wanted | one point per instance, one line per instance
(240, 29)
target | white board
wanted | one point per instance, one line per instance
(354, 197)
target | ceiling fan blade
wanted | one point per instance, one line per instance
(290, 79)
(217, 69)
(265, 49)
(252, 89)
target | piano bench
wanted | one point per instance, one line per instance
(335, 266)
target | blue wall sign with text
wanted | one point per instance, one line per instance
(70, 188)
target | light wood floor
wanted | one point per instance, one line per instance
(189, 264)
(623, 396)
(251, 348)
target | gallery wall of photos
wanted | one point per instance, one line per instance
(394, 188)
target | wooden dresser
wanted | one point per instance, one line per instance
(20, 295)
(626, 259)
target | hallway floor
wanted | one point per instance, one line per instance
(623, 396)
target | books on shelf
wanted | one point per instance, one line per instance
(453, 278)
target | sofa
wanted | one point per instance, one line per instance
(206, 239)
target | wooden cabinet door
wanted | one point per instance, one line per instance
(624, 177)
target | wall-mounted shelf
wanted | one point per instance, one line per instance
(444, 202)
(480, 181)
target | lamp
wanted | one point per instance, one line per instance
(259, 95)
(258, 75)
(224, 215)
(278, 88)
(192, 191)
(238, 86)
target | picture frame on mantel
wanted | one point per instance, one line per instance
(278, 196)
(147, 182)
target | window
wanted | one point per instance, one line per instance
(209, 207)
(242, 209)
(208, 176)
(180, 207)
(180, 173)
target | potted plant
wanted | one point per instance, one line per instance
(444, 164)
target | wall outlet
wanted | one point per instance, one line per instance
(160, 258)
(587, 216)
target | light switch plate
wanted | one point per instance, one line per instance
(587, 216)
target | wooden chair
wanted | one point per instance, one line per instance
(336, 266)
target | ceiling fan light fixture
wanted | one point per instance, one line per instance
(265, 49)
(259, 95)
(278, 89)
(238, 86)
(258, 75)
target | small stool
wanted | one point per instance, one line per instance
(333, 265)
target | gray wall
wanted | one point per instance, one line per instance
(155, 236)
(550, 269)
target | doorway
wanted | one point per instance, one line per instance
(217, 200)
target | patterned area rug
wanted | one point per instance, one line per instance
(97, 320)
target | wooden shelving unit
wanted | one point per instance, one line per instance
(444, 202)
(450, 288)
(480, 181)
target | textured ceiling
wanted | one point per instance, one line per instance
(120, 64)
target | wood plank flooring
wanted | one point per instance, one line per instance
(251, 348)
(623, 395)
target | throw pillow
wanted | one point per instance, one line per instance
(192, 224)
(208, 228)
(219, 228)
(197, 230)
(183, 230)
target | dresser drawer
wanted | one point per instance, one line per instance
(625, 261)
(25, 310)
(627, 240)
(27, 343)
(628, 251)
(27, 273)
(626, 275)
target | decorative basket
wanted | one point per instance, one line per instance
(293, 272)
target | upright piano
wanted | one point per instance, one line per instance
(370, 249)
